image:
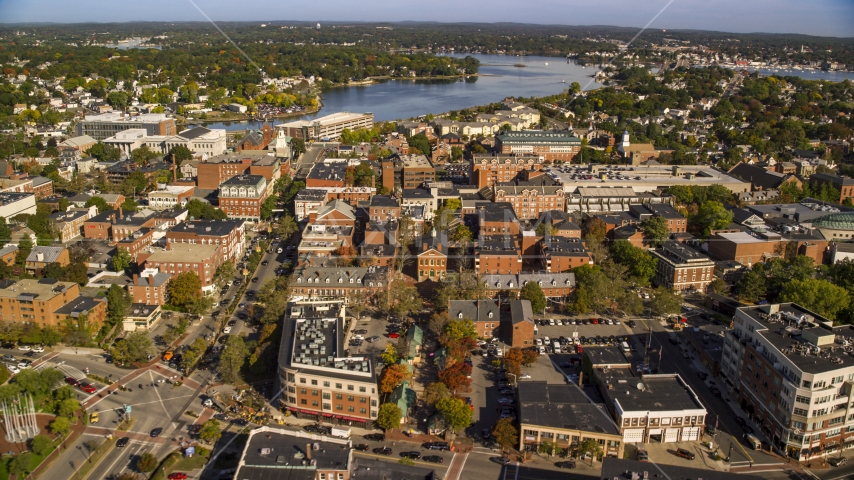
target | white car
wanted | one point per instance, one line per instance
(551, 321)
(610, 322)
(539, 342)
(542, 350)
(499, 353)
(38, 349)
(23, 365)
(24, 348)
(616, 322)
(226, 330)
(524, 376)
(546, 340)
(14, 369)
(558, 322)
(357, 337)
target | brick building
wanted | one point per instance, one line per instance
(497, 254)
(554, 285)
(561, 254)
(256, 139)
(137, 242)
(845, 185)
(41, 257)
(211, 173)
(150, 287)
(318, 377)
(531, 198)
(242, 196)
(484, 313)
(203, 260)
(488, 170)
(70, 223)
(550, 145)
(680, 267)
(230, 234)
(433, 257)
(383, 208)
(330, 174)
(47, 302)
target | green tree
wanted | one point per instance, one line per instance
(232, 359)
(5, 233)
(719, 286)
(201, 210)
(268, 206)
(389, 416)
(25, 246)
(143, 154)
(287, 226)
(118, 100)
(184, 288)
(121, 260)
(134, 348)
(181, 153)
(59, 426)
(118, 302)
(505, 434)
(640, 263)
(574, 87)
(67, 407)
(130, 205)
(752, 285)
(665, 302)
(457, 329)
(712, 215)
(210, 431)
(52, 270)
(50, 336)
(436, 391)
(40, 444)
(146, 463)
(534, 294)
(99, 203)
(590, 447)
(456, 412)
(76, 272)
(817, 295)
(655, 230)
(20, 465)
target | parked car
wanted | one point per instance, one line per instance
(374, 437)
(372, 339)
(567, 464)
(24, 348)
(643, 456)
(177, 476)
(437, 446)
(838, 461)
(433, 459)
(362, 447)
(681, 452)
(9, 358)
(500, 460)
(382, 451)
(71, 381)
(38, 349)
(412, 455)
(226, 330)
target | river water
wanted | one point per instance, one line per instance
(541, 76)
(401, 99)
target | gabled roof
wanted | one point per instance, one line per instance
(51, 254)
(336, 205)
(474, 310)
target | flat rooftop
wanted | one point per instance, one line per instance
(601, 356)
(562, 406)
(666, 392)
(642, 178)
(327, 120)
(194, 253)
(207, 228)
(276, 454)
(317, 344)
(42, 290)
(785, 329)
(563, 246)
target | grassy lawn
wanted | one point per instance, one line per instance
(176, 462)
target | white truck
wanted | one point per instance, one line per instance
(340, 432)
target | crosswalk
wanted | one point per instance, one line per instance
(66, 370)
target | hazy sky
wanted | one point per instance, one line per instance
(814, 17)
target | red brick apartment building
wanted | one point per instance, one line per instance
(137, 242)
(327, 175)
(230, 234)
(242, 196)
(489, 170)
(203, 260)
(680, 267)
(551, 145)
(216, 170)
(485, 314)
(150, 287)
(498, 218)
(561, 254)
(497, 255)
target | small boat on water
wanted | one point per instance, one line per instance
(547, 64)
(563, 81)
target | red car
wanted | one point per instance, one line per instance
(71, 381)
(177, 476)
(393, 335)
(87, 388)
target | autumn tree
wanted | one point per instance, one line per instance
(505, 434)
(534, 294)
(393, 376)
(513, 361)
(458, 329)
(456, 376)
(184, 288)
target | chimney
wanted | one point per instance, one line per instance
(267, 134)
(308, 451)
(151, 279)
(135, 279)
(120, 212)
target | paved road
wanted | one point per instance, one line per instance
(305, 161)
